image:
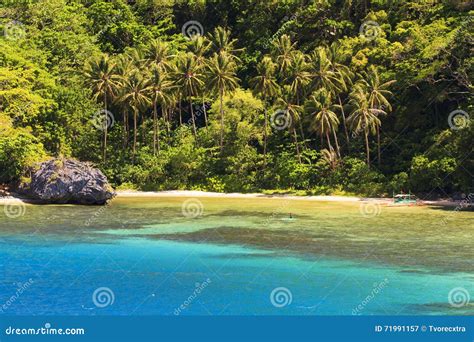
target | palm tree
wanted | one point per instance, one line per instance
(323, 73)
(324, 119)
(199, 46)
(283, 50)
(159, 88)
(135, 94)
(101, 74)
(329, 73)
(137, 57)
(158, 53)
(190, 79)
(222, 43)
(288, 103)
(124, 68)
(363, 116)
(330, 157)
(222, 79)
(265, 85)
(377, 98)
(298, 75)
(345, 76)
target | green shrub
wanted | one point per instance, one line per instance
(19, 151)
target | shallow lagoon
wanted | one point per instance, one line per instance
(332, 258)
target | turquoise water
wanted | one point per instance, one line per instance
(59, 265)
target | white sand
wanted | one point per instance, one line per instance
(188, 193)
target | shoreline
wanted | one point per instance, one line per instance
(14, 198)
(207, 194)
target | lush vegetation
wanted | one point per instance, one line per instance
(326, 96)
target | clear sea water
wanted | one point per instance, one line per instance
(143, 256)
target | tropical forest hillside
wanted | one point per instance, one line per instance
(350, 96)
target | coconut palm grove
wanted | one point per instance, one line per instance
(364, 97)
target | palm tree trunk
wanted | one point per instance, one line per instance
(346, 132)
(338, 149)
(295, 137)
(204, 110)
(265, 133)
(125, 129)
(165, 119)
(155, 128)
(379, 154)
(104, 153)
(135, 114)
(144, 130)
(367, 146)
(167, 112)
(300, 123)
(265, 128)
(329, 142)
(171, 112)
(221, 104)
(192, 117)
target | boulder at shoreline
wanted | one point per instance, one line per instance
(69, 181)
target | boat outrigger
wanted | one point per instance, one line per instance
(405, 199)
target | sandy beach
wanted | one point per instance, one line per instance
(190, 193)
(203, 194)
